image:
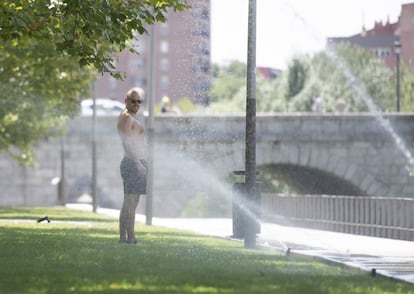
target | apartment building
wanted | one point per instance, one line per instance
(181, 59)
(381, 40)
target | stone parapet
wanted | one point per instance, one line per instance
(321, 154)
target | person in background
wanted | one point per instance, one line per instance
(317, 106)
(165, 106)
(133, 165)
(340, 105)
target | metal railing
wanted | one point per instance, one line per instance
(371, 216)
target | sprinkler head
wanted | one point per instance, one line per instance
(46, 218)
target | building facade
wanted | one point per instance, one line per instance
(381, 40)
(181, 59)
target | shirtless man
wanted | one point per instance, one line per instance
(133, 165)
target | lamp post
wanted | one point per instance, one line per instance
(250, 179)
(151, 98)
(62, 181)
(94, 156)
(397, 50)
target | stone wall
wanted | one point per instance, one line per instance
(335, 154)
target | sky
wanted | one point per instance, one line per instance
(288, 27)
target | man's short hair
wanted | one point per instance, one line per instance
(134, 92)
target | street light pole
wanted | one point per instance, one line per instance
(62, 182)
(151, 98)
(94, 159)
(250, 180)
(397, 49)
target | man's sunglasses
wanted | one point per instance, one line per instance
(133, 101)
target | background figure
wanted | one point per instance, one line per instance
(167, 107)
(317, 105)
(340, 105)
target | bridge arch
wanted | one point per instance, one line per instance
(312, 169)
(307, 180)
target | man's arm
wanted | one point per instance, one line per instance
(125, 124)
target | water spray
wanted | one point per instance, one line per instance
(373, 108)
(359, 89)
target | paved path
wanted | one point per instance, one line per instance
(389, 257)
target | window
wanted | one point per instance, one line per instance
(164, 83)
(141, 64)
(164, 64)
(382, 52)
(164, 46)
(164, 29)
(139, 82)
(136, 64)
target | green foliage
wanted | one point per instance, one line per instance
(373, 76)
(327, 80)
(49, 52)
(84, 257)
(90, 31)
(39, 89)
(297, 76)
(270, 184)
(205, 205)
(406, 89)
(268, 98)
(185, 105)
(321, 75)
(227, 82)
(228, 92)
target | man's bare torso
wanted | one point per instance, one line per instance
(131, 132)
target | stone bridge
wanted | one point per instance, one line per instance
(359, 154)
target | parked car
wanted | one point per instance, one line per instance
(104, 106)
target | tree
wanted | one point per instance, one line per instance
(50, 51)
(227, 81)
(39, 90)
(297, 75)
(89, 30)
(350, 74)
(228, 91)
(347, 74)
(407, 89)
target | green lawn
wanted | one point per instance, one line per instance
(77, 252)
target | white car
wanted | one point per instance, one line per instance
(104, 106)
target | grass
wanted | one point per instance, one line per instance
(84, 257)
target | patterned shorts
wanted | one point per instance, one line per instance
(133, 182)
